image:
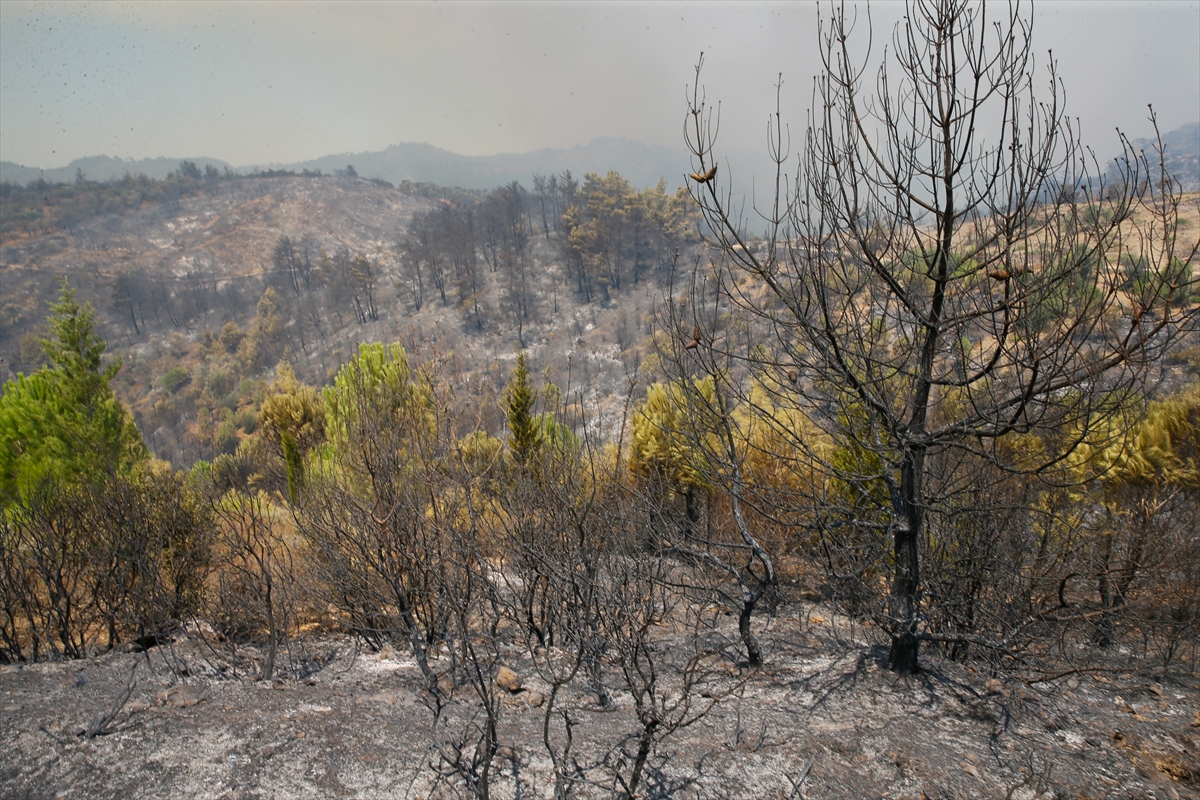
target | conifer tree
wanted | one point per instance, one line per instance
(525, 430)
(293, 420)
(64, 423)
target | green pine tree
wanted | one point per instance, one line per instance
(63, 423)
(525, 429)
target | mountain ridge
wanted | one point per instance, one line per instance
(641, 164)
(1181, 154)
(420, 162)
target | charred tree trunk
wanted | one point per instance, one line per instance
(905, 600)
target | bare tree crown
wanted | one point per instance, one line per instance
(947, 270)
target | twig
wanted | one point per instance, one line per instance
(51, 734)
(101, 721)
(1077, 671)
(798, 784)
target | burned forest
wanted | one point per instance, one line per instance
(884, 482)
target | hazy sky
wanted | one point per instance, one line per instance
(255, 83)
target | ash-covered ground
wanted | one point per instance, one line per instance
(823, 719)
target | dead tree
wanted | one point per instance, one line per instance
(941, 274)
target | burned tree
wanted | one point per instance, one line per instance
(938, 296)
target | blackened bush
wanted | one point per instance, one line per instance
(82, 565)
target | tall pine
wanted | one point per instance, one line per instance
(63, 423)
(524, 429)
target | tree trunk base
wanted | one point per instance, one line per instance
(753, 649)
(902, 658)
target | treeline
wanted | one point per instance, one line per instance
(605, 231)
(40, 207)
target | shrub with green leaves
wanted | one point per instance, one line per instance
(175, 378)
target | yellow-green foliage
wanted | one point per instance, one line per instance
(231, 337)
(260, 346)
(613, 223)
(858, 465)
(669, 431)
(1162, 449)
(525, 435)
(782, 448)
(557, 437)
(376, 390)
(480, 453)
(292, 418)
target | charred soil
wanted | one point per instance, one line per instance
(823, 719)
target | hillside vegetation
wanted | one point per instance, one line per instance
(239, 309)
(181, 285)
(612, 572)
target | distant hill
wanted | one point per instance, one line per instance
(1181, 148)
(641, 164)
(102, 168)
(160, 274)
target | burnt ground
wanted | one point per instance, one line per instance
(823, 719)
